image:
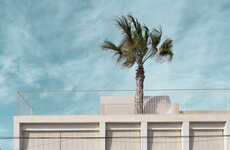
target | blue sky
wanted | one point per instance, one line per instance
(55, 44)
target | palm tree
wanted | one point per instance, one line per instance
(138, 45)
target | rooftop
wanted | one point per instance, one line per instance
(120, 102)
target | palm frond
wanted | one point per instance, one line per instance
(129, 57)
(146, 36)
(150, 53)
(125, 26)
(145, 40)
(107, 45)
(155, 36)
(129, 61)
(133, 20)
(137, 26)
(165, 49)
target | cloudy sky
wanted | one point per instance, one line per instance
(55, 45)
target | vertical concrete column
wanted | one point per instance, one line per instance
(102, 134)
(185, 135)
(17, 131)
(144, 134)
(227, 138)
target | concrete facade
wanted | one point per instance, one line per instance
(178, 125)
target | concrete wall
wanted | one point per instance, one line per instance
(138, 125)
(124, 105)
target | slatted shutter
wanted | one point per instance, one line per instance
(207, 139)
(72, 140)
(164, 140)
(122, 140)
(41, 141)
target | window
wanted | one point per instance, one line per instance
(122, 137)
(164, 136)
(87, 142)
(206, 139)
(64, 136)
(41, 140)
(206, 136)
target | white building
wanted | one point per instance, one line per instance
(162, 127)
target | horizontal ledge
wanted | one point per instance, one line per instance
(60, 130)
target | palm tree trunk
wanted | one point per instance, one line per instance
(140, 76)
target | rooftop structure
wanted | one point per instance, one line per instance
(163, 126)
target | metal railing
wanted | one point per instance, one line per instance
(88, 101)
(24, 108)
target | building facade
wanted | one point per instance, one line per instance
(117, 128)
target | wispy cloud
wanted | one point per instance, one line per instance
(56, 45)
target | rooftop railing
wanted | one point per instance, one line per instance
(88, 101)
